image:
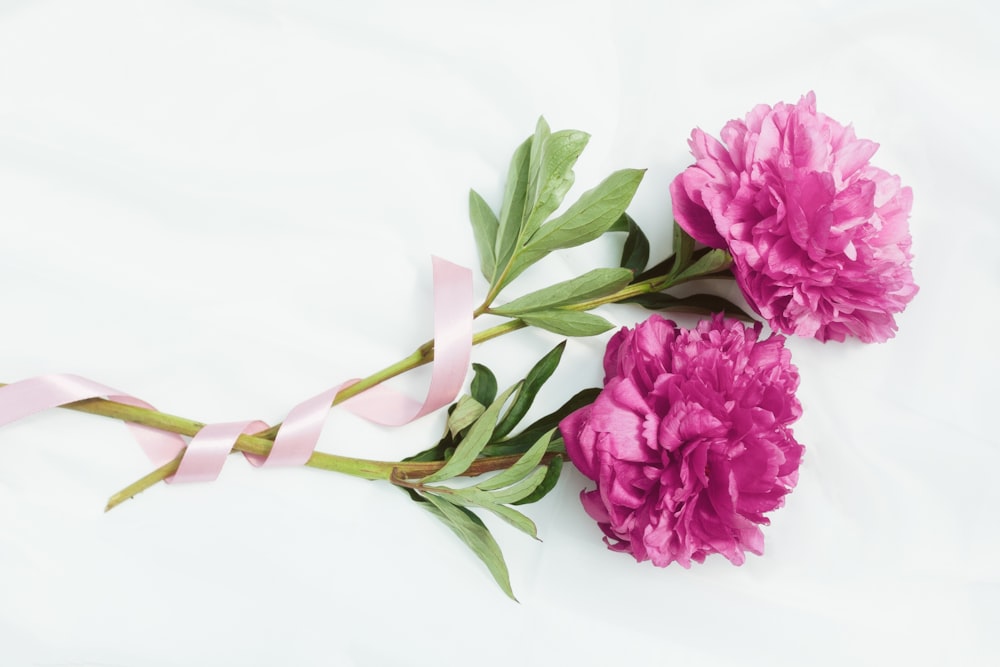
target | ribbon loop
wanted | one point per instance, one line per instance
(207, 451)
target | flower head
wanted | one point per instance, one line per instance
(689, 441)
(819, 237)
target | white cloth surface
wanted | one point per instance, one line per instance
(225, 207)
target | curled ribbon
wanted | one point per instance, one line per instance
(296, 439)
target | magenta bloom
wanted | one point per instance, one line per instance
(819, 237)
(689, 442)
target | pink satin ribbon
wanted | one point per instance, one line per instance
(296, 439)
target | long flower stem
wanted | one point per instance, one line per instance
(261, 443)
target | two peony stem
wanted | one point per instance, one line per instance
(261, 443)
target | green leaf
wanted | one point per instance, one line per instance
(552, 472)
(542, 133)
(703, 304)
(568, 322)
(537, 376)
(473, 497)
(713, 261)
(621, 224)
(589, 217)
(466, 412)
(635, 252)
(436, 453)
(551, 174)
(528, 461)
(591, 285)
(519, 489)
(484, 228)
(471, 530)
(472, 444)
(484, 384)
(514, 518)
(683, 247)
(521, 442)
(512, 209)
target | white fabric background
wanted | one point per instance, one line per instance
(225, 207)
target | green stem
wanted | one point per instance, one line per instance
(496, 285)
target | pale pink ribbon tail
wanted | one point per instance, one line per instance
(296, 439)
(24, 398)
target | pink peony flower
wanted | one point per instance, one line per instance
(689, 441)
(819, 237)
